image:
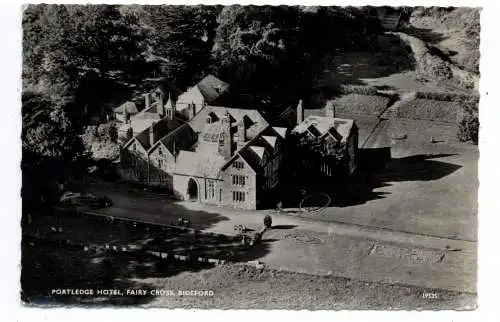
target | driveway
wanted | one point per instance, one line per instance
(315, 247)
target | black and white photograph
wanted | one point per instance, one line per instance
(250, 157)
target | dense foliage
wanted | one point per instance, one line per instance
(468, 121)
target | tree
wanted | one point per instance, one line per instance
(47, 129)
(52, 150)
(104, 39)
(253, 42)
(181, 40)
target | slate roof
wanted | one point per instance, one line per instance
(199, 164)
(212, 88)
(160, 128)
(258, 150)
(140, 124)
(321, 125)
(271, 140)
(254, 121)
(128, 107)
(184, 138)
(280, 130)
(287, 118)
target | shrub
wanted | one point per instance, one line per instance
(268, 221)
(468, 122)
(107, 132)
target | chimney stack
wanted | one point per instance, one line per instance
(191, 110)
(147, 100)
(225, 139)
(300, 113)
(160, 107)
(330, 109)
(241, 134)
(151, 135)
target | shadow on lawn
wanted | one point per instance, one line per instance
(375, 170)
(378, 170)
(49, 263)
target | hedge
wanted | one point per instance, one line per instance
(360, 104)
(427, 109)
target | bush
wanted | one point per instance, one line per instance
(468, 122)
(107, 132)
(268, 221)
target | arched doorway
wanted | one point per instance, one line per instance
(192, 189)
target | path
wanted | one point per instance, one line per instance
(354, 251)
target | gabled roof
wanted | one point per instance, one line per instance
(128, 107)
(209, 89)
(181, 138)
(160, 128)
(258, 150)
(253, 118)
(212, 88)
(199, 164)
(287, 118)
(271, 140)
(321, 125)
(280, 130)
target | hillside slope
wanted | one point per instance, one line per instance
(456, 32)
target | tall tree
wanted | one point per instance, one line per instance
(181, 40)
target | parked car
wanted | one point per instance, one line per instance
(77, 199)
(101, 202)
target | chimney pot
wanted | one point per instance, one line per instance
(147, 100)
(300, 113)
(330, 109)
(151, 135)
(160, 107)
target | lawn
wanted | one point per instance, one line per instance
(233, 285)
(93, 230)
(427, 188)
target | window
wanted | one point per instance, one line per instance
(134, 148)
(239, 180)
(238, 164)
(211, 189)
(238, 196)
(208, 120)
(160, 152)
(160, 163)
